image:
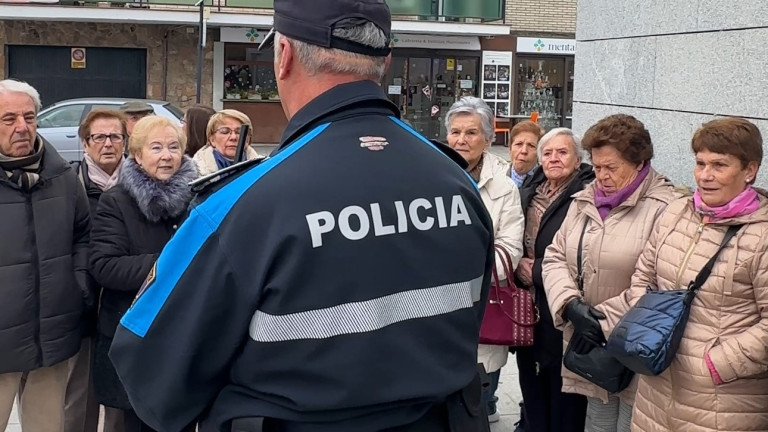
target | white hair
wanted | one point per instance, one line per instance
(15, 86)
(317, 59)
(472, 105)
(575, 141)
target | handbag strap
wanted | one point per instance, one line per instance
(580, 270)
(707, 270)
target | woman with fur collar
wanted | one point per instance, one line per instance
(223, 133)
(134, 220)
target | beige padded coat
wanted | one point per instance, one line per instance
(729, 319)
(502, 200)
(610, 252)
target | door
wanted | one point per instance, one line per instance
(108, 72)
(433, 85)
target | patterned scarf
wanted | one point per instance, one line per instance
(24, 171)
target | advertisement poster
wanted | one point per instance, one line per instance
(497, 70)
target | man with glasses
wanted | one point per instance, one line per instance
(103, 134)
(43, 265)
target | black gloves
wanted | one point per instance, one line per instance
(584, 319)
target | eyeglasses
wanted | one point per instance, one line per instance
(102, 138)
(227, 131)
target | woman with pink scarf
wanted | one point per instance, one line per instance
(718, 380)
(611, 221)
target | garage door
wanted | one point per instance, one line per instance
(108, 72)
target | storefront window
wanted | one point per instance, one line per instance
(425, 87)
(249, 74)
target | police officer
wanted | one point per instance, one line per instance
(336, 286)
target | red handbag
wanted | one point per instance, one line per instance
(510, 315)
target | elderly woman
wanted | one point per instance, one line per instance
(719, 379)
(133, 222)
(223, 134)
(469, 123)
(614, 217)
(523, 141)
(546, 196)
(196, 127)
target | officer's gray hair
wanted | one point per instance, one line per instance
(472, 105)
(317, 59)
(575, 141)
(14, 86)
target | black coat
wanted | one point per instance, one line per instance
(133, 222)
(93, 191)
(548, 341)
(43, 267)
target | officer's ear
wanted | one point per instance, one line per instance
(284, 63)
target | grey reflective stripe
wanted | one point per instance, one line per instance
(365, 316)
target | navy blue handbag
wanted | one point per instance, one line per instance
(646, 339)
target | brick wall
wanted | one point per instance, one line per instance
(541, 16)
(182, 51)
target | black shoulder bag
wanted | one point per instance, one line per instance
(596, 366)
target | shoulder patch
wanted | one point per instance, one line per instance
(373, 143)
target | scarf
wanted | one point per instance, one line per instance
(24, 171)
(99, 176)
(518, 179)
(743, 204)
(221, 160)
(605, 203)
(477, 170)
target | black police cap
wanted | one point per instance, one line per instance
(313, 22)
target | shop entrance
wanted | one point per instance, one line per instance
(108, 72)
(545, 85)
(425, 86)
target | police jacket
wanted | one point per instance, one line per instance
(337, 286)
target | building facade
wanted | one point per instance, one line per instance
(442, 50)
(674, 67)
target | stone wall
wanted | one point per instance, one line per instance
(534, 17)
(673, 65)
(181, 60)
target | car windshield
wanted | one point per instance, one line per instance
(175, 110)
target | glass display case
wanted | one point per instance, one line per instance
(249, 74)
(545, 85)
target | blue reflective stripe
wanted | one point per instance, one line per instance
(193, 233)
(423, 138)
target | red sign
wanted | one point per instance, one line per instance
(77, 58)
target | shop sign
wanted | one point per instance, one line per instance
(546, 46)
(400, 40)
(77, 58)
(242, 34)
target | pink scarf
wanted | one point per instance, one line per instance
(744, 203)
(100, 177)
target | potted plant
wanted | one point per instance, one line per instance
(273, 95)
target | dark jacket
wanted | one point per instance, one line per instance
(548, 341)
(93, 191)
(134, 221)
(43, 267)
(274, 299)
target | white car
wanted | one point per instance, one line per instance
(59, 122)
